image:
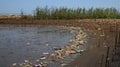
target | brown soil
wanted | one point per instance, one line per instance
(101, 39)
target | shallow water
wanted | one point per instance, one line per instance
(19, 43)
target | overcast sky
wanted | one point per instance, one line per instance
(28, 6)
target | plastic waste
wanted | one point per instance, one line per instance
(63, 64)
(45, 53)
(69, 52)
(43, 58)
(81, 42)
(36, 65)
(26, 61)
(47, 44)
(14, 64)
(99, 28)
(79, 51)
(59, 53)
(37, 60)
(56, 48)
(28, 43)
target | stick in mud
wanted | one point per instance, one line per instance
(107, 58)
(116, 36)
(101, 61)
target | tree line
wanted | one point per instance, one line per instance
(78, 13)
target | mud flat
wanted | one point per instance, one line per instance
(102, 36)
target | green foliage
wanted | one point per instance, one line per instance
(79, 13)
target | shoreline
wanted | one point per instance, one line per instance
(102, 41)
(60, 54)
(71, 22)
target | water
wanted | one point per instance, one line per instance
(19, 43)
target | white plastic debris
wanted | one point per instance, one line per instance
(63, 64)
(81, 42)
(47, 44)
(45, 53)
(37, 60)
(99, 28)
(14, 64)
(43, 58)
(37, 65)
(28, 43)
(26, 61)
(102, 35)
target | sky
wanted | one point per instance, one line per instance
(28, 6)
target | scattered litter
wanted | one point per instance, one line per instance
(52, 54)
(102, 35)
(59, 53)
(36, 65)
(79, 51)
(43, 58)
(56, 48)
(37, 60)
(71, 40)
(27, 65)
(63, 64)
(69, 52)
(14, 64)
(105, 46)
(47, 44)
(82, 50)
(81, 42)
(45, 53)
(21, 64)
(28, 43)
(99, 28)
(26, 61)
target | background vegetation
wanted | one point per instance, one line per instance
(78, 13)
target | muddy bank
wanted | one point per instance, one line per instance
(102, 45)
(56, 22)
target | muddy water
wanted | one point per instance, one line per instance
(19, 43)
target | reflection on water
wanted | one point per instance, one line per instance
(18, 43)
